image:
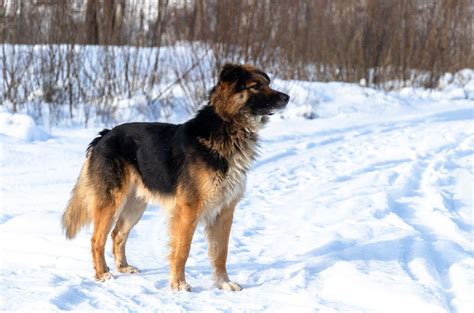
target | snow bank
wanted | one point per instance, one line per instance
(22, 127)
(325, 100)
(458, 86)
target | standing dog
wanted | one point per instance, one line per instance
(196, 171)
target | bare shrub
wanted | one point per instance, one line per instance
(77, 59)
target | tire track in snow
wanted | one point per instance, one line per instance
(424, 245)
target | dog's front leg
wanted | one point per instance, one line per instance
(182, 226)
(218, 234)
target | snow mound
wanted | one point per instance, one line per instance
(458, 86)
(337, 99)
(22, 127)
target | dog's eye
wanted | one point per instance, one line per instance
(257, 86)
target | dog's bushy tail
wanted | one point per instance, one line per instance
(78, 212)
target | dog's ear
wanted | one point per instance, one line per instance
(231, 73)
(264, 75)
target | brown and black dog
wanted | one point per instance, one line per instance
(196, 171)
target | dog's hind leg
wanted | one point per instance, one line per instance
(128, 218)
(104, 216)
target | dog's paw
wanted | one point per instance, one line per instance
(180, 286)
(128, 269)
(229, 286)
(104, 276)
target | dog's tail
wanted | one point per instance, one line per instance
(78, 212)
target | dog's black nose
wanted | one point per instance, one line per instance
(284, 97)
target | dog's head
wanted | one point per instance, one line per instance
(243, 90)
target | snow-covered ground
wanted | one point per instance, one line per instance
(367, 209)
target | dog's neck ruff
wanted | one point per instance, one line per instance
(216, 127)
(228, 148)
(235, 140)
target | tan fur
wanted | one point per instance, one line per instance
(77, 213)
(220, 190)
(207, 196)
(228, 104)
(183, 222)
(130, 215)
(218, 233)
(215, 192)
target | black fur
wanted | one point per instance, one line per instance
(263, 104)
(205, 125)
(161, 153)
(231, 72)
(96, 140)
(235, 74)
(264, 75)
(158, 151)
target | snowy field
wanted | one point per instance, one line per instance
(368, 208)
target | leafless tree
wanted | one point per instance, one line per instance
(74, 58)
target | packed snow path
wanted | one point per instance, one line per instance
(360, 214)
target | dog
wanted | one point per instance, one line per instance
(195, 170)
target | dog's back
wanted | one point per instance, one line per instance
(196, 170)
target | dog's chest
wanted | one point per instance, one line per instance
(233, 182)
(229, 187)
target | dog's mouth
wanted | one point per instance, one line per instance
(272, 109)
(270, 106)
(280, 104)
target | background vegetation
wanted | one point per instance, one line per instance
(66, 53)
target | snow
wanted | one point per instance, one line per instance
(316, 99)
(21, 126)
(365, 209)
